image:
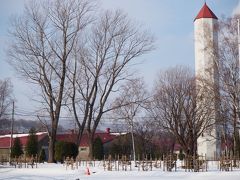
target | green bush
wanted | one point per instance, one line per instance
(98, 149)
(16, 150)
(42, 156)
(59, 151)
(65, 149)
(181, 156)
(71, 150)
(121, 145)
(32, 143)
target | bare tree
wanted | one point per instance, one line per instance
(229, 80)
(177, 107)
(146, 136)
(130, 105)
(43, 41)
(102, 66)
(6, 97)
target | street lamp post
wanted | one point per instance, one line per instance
(133, 143)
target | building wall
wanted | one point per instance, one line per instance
(83, 152)
(206, 61)
(4, 154)
(43, 143)
(206, 49)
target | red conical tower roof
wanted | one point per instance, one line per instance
(206, 12)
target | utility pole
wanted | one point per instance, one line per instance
(12, 125)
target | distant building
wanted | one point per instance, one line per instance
(5, 143)
(106, 138)
(43, 139)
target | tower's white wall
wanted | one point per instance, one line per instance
(206, 42)
(206, 47)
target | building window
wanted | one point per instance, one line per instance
(83, 149)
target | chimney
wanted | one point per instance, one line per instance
(108, 130)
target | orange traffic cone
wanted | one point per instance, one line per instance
(87, 171)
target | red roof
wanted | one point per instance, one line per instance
(105, 137)
(5, 141)
(206, 12)
(66, 137)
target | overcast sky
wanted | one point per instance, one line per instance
(171, 21)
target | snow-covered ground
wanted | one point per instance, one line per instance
(58, 171)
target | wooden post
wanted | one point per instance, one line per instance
(125, 162)
(139, 165)
(175, 163)
(151, 163)
(163, 163)
(104, 165)
(206, 163)
(115, 162)
(131, 162)
(25, 160)
(118, 163)
(186, 168)
(160, 162)
(36, 161)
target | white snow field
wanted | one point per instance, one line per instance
(59, 172)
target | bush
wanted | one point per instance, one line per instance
(121, 145)
(59, 151)
(71, 150)
(98, 149)
(42, 156)
(32, 143)
(181, 156)
(16, 150)
(65, 149)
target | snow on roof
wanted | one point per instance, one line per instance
(5, 140)
(21, 135)
(118, 134)
(206, 12)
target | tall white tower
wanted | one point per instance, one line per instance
(206, 59)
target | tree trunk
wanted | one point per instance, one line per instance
(51, 150)
(51, 146)
(90, 155)
(79, 137)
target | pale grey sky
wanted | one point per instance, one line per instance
(171, 21)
